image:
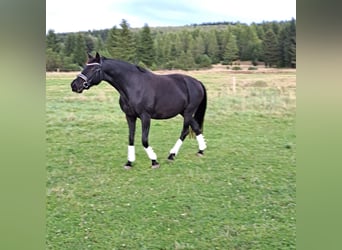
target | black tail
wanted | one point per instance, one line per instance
(200, 112)
(199, 115)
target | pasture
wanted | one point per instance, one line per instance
(240, 195)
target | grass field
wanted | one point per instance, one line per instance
(241, 195)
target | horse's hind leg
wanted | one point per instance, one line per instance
(201, 144)
(199, 137)
(189, 121)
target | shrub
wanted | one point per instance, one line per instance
(203, 61)
(252, 68)
(236, 68)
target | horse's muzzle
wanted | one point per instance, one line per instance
(78, 88)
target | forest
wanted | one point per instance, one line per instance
(196, 46)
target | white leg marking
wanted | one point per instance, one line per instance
(131, 153)
(201, 143)
(176, 147)
(151, 154)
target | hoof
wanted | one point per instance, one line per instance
(128, 165)
(171, 157)
(155, 166)
(200, 153)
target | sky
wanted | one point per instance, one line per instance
(83, 15)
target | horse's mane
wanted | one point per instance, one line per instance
(128, 66)
(141, 69)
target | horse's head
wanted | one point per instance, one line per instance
(91, 74)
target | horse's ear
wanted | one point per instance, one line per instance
(89, 55)
(97, 57)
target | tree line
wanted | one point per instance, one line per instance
(272, 44)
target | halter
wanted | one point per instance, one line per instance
(85, 78)
(90, 64)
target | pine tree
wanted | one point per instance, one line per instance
(185, 61)
(292, 44)
(68, 62)
(198, 47)
(175, 46)
(254, 46)
(271, 49)
(287, 45)
(212, 47)
(112, 43)
(222, 39)
(145, 48)
(52, 42)
(99, 46)
(161, 50)
(219, 41)
(90, 43)
(231, 51)
(70, 44)
(248, 42)
(186, 40)
(80, 55)
(126, 43)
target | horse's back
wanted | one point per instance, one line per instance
(193, 87)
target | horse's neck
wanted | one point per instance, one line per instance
(116, 78)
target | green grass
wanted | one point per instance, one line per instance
(241, 195)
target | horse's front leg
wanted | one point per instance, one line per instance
(184, 133)
(176, 147)
(131, 120)
(145, 125)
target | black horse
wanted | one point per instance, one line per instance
(147, 96)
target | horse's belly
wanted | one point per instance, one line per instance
(167, 111)
(163, 116)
